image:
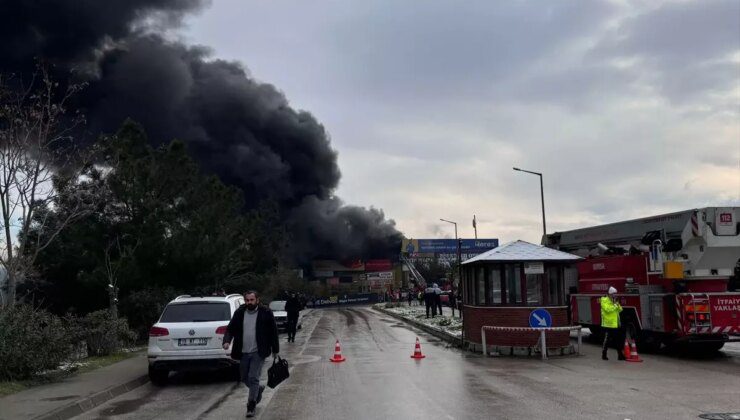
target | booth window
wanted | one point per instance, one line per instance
(506, 284)
(494, 288)
(534, 288)
(513, 274)
(555, 285)
(480, 281)
(468, 285)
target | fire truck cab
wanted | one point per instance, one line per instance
(675, 275)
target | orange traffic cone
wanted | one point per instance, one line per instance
(417, 351)
(626, 350)
(634, 357)
(337, 354)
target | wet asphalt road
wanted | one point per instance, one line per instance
(380, 381)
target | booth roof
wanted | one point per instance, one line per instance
(522, 251)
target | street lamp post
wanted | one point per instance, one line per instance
(542, 196)
(459, 276)
(457, 241)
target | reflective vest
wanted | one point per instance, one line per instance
(609, 312)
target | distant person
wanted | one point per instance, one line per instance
(429, 301)
(420, 296)
(438, 298)
(453, 302)
(610, 310)
(293, 308)
(255, 336)
(410, 296)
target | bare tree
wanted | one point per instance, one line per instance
(36, 153)
(115, 255)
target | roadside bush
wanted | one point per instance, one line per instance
(103, 335)
(143, 308)
(31, 340)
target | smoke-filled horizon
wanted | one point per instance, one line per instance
(243, 130)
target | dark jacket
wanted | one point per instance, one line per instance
(266, 331)
(292, 306)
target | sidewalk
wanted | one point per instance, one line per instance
(76, 394)
(445, 327)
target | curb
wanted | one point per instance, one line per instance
(86, 404)
(456, 341)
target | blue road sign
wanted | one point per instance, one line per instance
(540, 318)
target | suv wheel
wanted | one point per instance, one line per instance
(158, 376)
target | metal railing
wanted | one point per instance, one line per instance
(542, 340)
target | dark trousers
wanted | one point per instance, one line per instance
(614, 338)
(438, 301)
(431, 306)
(250, 368)
(292, 325)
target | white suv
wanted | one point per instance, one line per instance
(189, 335)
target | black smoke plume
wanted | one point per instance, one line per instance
(242, 130)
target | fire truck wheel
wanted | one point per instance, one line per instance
(706, 348)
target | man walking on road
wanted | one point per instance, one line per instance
(255, 336)
(610, 310)
(293, 308)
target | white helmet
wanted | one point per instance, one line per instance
(612, 291)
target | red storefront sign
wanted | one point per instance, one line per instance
(378, 265)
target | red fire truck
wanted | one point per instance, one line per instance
(675, 275)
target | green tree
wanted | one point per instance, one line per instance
(162, 224)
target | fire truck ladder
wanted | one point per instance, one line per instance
(700, 301)
(418, 278)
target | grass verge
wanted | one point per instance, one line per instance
(83, 366)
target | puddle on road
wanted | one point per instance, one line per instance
(123, 407)
(66, 397)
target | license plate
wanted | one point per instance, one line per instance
(192, 341)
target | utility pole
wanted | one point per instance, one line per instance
(475, 227)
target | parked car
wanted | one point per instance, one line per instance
(189, 336)
(281, 316)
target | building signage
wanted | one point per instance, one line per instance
(345, 299)
(534, 268)
(383, 275)
(378, 265)
(447, 246)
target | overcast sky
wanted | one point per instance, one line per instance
(629, 108)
